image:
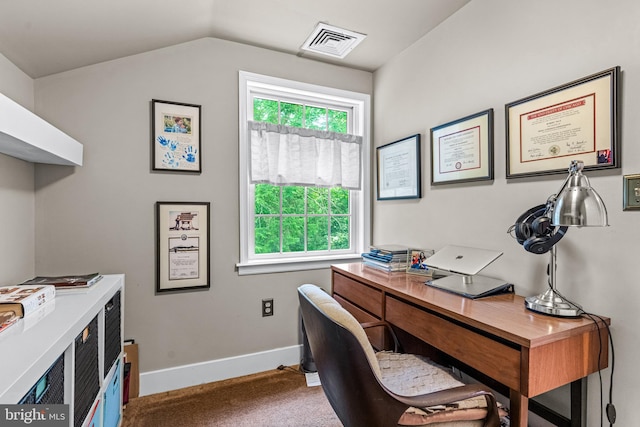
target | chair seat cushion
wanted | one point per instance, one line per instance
(413, 417)
(411, 375)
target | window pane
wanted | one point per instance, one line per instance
(293, 234)
(267, 230)
(340, 232)
(265, 110)
(267, 198)
(291, 114)
(339, 201)
(292, 200)
(316, 118)
(317, 200)
(318, 233)
(338, 121)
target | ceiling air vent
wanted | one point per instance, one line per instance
(332, 41)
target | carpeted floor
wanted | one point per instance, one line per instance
(278, 398)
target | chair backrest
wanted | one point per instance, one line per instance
(346, 362)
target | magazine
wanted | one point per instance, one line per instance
(66, 282)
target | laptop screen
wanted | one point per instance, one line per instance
(462, 259)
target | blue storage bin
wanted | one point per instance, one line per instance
(112, 398)
(96, 419)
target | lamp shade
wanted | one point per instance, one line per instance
(579, 205)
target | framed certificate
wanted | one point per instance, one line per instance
(182, 246)
(575, 121)
(399, 169)
(462, 150)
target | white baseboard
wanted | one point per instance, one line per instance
(215, 370)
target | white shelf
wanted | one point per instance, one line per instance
(31, 346)
(26, 136)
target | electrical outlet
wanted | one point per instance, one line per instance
(267, 307)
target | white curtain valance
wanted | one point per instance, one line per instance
(284, 155)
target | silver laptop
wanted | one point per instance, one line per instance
(462, 260)
(465, 263)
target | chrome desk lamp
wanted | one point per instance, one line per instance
(576, 205)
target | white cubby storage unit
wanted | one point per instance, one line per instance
(69, 352)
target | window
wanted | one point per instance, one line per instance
(295, 227)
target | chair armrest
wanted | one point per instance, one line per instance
(453, 395)
(382, 323)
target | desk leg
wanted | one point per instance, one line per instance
(578, 403)
(519, 409)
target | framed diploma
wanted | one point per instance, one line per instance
(462, 150)
(182, 246)
(398, 169)
(176, 136)
(575, 121)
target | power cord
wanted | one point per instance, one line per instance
(610, 408)
(289, 368)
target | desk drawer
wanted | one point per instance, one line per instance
(359, 294)
(493, 358)
(376, 335)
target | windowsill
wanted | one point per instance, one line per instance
(293, 264)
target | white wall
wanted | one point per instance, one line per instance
(17, 197)
(101, 217)
(490, 53)
(15, 84)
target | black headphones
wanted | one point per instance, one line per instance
(534, 231)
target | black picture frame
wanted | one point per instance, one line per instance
(575, 121)
(399, 170)
(462, 150)
(182, 246)
(176, 142)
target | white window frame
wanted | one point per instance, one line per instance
(250, 84)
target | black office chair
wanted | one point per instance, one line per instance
(377, 389)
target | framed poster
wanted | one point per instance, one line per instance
(398, 169)
(176, 143)
(182, 246)
(575, 121)
(462, 150)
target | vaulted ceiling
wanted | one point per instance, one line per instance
(43, 37)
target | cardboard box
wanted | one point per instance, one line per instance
(131, 356)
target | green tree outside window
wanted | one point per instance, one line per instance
(293, 218)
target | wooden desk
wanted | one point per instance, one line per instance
(526, 352)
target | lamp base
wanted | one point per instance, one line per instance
(551, 303)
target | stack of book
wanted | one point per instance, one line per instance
(19, 301)
(386, 257)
